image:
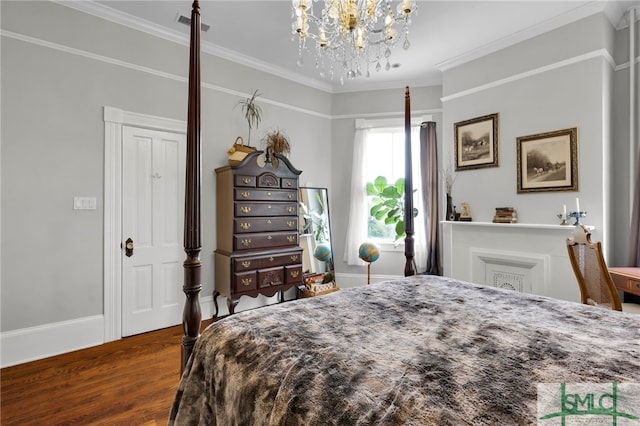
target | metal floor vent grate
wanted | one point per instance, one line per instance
(187, 21)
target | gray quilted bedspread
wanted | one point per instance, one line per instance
(418, 351)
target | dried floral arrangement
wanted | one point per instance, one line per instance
(277, 141)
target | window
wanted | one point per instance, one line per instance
(385, 154)
(378, 149)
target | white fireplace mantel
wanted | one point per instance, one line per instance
(527, 257)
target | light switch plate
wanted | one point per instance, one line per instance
(84, 203)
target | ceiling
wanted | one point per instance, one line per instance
(443, 33)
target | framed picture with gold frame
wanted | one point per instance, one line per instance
(476, 142)
(548, 161)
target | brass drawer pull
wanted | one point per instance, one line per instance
(245, 209)
(290, 196)
(268, 206)
(269, 194)
(269, 221)
(294, 257)
(289, 183)
(290, 209)
(295, 274)
(245, 194)
(246, 242)
(245, 225)
(291, 224)
(246, 264)
(269, 237)
(271, 259)
(246, 180)
(246, 281)
(291, 238)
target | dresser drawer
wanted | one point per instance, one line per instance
(268, 180)
(245, 281)
(249, 209)
(248, 194)
(625, 283)
(282, 260)
(265, 262)
(252, 224)
(270, 277)
(633, 286)
(622, 283)
(288, 183)
(265, 240)
(245, 181)
(293, 274)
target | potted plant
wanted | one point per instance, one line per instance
(278, 142)
(251, 111)
(388, 203)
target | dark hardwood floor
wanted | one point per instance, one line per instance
(131, 381)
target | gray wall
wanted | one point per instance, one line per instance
(567, 81)
(53, 145)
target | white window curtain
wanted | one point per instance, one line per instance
(357, 224)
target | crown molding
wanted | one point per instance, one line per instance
(101, 11)
(601, 53)
(551, 24)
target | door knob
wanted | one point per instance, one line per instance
(128, 247)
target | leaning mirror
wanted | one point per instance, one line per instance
(315, 231)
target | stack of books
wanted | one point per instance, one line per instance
(505, 215)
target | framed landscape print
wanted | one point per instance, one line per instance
(476, 142)
(548, 161)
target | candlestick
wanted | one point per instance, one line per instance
(577, 204)
(563, 217)
(564, 210)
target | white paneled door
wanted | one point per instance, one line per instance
(153, 173)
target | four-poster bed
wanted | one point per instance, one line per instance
(420, 350)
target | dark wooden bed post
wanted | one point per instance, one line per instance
(408, 190)
(192, 316)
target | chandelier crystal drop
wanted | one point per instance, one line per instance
(349, 36)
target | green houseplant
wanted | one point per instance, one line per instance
(387, 203)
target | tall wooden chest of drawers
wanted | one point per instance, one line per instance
(257, 251)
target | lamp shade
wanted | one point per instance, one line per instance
(369, 252)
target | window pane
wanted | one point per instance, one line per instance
(386, 153)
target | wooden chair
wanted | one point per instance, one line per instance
(596, 285)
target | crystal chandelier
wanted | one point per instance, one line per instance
(350, 36)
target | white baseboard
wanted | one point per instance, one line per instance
(34, 343)
(357, 280)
